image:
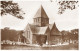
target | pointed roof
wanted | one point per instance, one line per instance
(38, 30)
(54, 29)
(53, 26)
(41, 13)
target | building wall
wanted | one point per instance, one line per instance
(44, 21)
(39, 39)
(39, 21)
(48, 35)
(55, 39)
(28, 34)
(34, 40)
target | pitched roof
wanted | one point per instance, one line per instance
(38, 30)
(34, 28)
(54, 29)
(41, 13)
(52, 26)
(42, 30)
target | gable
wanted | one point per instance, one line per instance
(47, 31)
(54, 30)
(34, 28)
(27, 30)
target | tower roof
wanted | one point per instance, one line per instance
(41, 13)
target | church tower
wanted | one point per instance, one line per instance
(41, 18)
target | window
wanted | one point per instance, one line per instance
(28, 34)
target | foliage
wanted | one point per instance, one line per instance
(10, 34)
(63, 5)
(11, 8)
(73, 35)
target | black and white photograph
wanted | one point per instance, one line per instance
(39, 24)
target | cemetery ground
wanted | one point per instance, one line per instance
(27, 47)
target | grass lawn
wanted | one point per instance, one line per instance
(25, 47)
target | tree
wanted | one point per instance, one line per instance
(67, 5)
(11, 8)
(65, 36)
(64, 5)
(71, 36)
(9, 34)
(75, 33)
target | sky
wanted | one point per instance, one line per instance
(67, 21)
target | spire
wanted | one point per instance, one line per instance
(41, 13)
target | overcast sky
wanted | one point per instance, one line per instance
(67, 21)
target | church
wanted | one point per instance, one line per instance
(42, 30)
